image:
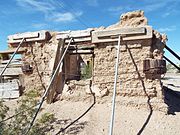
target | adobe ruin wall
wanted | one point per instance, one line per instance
(129, 82)
(40, 56)
(132, 81)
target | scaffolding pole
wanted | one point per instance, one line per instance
(114, 91)
(48, 88)
(4, 69)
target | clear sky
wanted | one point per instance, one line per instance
(18, 16)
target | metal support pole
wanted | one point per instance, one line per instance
(4, 69)
(49, 86)
(172, 52)
(171, 62)
(114, 91)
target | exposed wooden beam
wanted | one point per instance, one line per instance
(12, 71)
(129, 33)
(78, 35)
(29, 36)
(12, 50)
(81, 52)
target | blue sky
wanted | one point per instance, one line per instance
(18, 16)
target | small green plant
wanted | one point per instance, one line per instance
(1, 56)
(3, 110)
(43, 124)
(87, 71)
(20, 123)
(46, 117)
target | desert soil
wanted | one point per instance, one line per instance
(128, 120)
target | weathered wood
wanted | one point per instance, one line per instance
(122, 31)
(79, 35)
(29, 36)
(82, 46)
(154, 66)
(12, 50)
(14, 71)
(81, 51)
(13, 61)
(12, 65)
(9, 90)
(129, 33)
(58, 82)
(80, 39)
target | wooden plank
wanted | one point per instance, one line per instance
(147, 35)
(129, 33)
(9, 90)
(58, 78)
(30, 36)
(75, 34)
(122, 31)
(12, 65)
(12, 50)
(81, 51)
(9, 94)
(81, 39)
(78, 35)
(9, 86)
(13, 61)
(25, 35)
(15, 71)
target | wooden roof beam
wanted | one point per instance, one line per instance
(129, 33)
(29, 36)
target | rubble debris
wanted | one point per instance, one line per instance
(97, 91)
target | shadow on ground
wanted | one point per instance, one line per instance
(172, 99)
(75, 129)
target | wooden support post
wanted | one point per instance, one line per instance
(59, 79)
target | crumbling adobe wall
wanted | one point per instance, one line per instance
(131, 85)
(131, 79)
(41, 56)
(131, 19)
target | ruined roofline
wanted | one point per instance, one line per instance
(132, 24)
(127, 33)
(29, 36)
(88, 35)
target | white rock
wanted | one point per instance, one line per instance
(96, 90)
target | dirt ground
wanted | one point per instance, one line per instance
(128, 120)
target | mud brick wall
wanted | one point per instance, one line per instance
(131, 79)
(41, 56)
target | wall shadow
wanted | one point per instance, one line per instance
(144, 89)
(75, 129)
(37, 69)
(172, 99)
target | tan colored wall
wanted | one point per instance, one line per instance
(129, 82)
(40, 56)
